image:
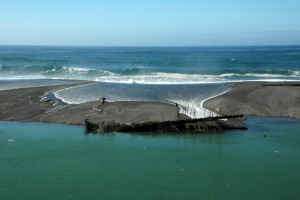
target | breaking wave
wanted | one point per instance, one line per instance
(141, 75)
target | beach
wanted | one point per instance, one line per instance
(268, 99)
(25, 105)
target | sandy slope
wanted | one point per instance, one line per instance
(280, 99)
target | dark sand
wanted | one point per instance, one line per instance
(274, 99)
(25, 105)
(280, 99)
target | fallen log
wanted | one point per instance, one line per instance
(200, 125)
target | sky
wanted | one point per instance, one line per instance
(150, 22)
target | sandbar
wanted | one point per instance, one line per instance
(25, 105)
(258, 98)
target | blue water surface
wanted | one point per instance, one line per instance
(151, 65)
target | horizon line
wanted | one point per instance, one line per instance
(55, 45)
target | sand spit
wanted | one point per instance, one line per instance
(272, 99)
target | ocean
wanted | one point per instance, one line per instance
(151, 65)
(183, 75)
(55, 161)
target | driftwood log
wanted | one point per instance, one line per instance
(200, 125)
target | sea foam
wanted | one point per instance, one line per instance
(188, 96)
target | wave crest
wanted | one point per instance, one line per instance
(140, 75)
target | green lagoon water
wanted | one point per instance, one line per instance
(51, 161)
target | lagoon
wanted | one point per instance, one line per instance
(54, 161)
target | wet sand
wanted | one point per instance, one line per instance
(273, 99)
(25, 105)
(280, 99)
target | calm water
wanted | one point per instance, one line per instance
(50, 161)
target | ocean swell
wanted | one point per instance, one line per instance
(142, 75)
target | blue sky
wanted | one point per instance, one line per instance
(150, 23)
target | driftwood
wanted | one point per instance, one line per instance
(200, 125)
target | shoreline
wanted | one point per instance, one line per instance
(26, 105)
(202, 102)
(258, 98)
(245, 98)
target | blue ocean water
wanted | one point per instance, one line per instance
(151, 65)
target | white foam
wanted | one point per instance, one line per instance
(162, 78)
(228, 75)
(153, 78)
(76, 69)
(295, 72)
(175, 78)
(269, 75)
(201, 104)
(51, 70)
(189, 97)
